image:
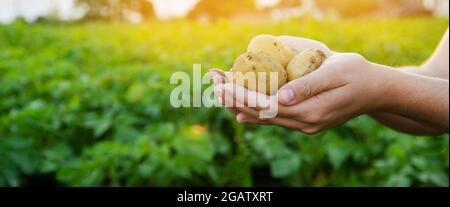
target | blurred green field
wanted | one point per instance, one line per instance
(88, 105)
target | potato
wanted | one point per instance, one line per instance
(247, 66)
(304, 63)
(273, 47)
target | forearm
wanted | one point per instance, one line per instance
(424, 70)
(406, 124)
(422, 98)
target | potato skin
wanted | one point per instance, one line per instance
(249, 64)
(304, 63)
(273, 47)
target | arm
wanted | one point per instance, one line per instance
(421, 98)
(346, 86)
(436, 66)
(405, 125)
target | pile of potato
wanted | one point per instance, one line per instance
(266, 53)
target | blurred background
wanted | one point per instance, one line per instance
(84, 94)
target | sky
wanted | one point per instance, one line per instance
(32, 9)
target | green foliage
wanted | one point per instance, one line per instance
(351, 7)
(88, 105)
(116, 9)
(215, 9)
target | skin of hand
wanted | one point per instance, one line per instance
(321, 100)
(219, 76)
(345, 86)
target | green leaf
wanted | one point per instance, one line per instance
(285, 166)
(338, 152)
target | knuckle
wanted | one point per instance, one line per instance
(304, 90)
(356, 56)
(341, 69)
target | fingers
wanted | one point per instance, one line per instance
(250, 102)
(313, 115)
(244, 118)
(216, 71)
(230, 103)
(217, 75)
(234, 111)
(287, 123)
(320, 109)
(300, 44)
(228, 97)
(248, 98)
(317, 82)
(301, 89)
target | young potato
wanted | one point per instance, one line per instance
(247, 67)
(273, 47)
(304, 63)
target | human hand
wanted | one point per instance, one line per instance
(219, 76)
(345, 86)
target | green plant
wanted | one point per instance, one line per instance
(88, 105)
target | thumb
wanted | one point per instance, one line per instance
(305, 87)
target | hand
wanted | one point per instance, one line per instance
(219, 77)
(345, 86)
(342, 88)
(309, 117)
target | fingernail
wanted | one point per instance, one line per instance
(286, 96)
(241, 118)
(241, 121)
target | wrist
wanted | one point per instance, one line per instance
(384, 82)
(398, 89)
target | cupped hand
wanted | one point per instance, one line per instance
(345, 86)
(221, 82)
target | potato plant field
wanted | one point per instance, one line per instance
(87, 104)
